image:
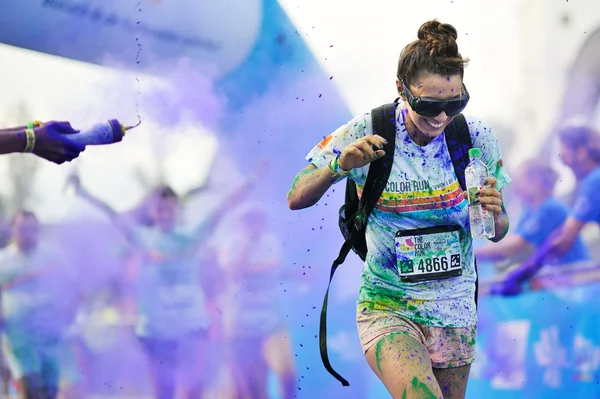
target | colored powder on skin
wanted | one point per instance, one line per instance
(379, 345)
(421, 387)
(378, 354)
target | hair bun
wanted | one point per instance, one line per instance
(439, 38)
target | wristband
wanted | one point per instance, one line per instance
(335, 169)
(30, 144)
(34, 124)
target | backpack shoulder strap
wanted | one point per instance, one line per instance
(384, 124)
(458, 140)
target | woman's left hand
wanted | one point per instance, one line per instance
(489, 198)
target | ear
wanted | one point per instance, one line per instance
(400, 89)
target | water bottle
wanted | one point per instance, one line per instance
(108, 132)
(482, 221)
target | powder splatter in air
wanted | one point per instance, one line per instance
(137, 62)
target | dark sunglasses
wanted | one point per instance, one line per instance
(430, 107)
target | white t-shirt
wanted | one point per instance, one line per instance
(422, 191)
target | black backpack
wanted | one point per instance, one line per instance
(354, 214)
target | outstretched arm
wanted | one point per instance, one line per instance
(75, 181)
(506, 248)
(46, 140)
(557, 242)
(13, 140)
(233, 201)
(195, 191)
(114, 216)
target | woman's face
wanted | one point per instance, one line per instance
(435, 87)
(164, 213)
(574, 158)
(527, 187)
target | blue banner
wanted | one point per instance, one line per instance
(109, 31)
(541, 344)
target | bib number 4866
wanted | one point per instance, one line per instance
(436, 264)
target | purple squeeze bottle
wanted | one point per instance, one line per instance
(108, 132)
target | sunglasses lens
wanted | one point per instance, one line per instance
(455, 107)
(429, 109)
(432, 109)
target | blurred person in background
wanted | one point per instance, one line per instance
(258, 338)
(172, 309)
(579, 150)
(39, 301)
(46, 140)
(542, 214)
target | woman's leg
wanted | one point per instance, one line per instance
(25, 365)
(194, 365)
(277, 351)
(402, 363)
(453, 381)
(248, 368)
(163, 366)
(31, 387)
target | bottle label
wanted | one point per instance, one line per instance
(473, 195)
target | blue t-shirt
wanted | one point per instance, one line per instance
(536, 225)
(587, 207)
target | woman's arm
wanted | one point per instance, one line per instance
(46, 140)
(12, 140)
(309, 186)
(511, 245)
(311, 183)
(125, 227)
(501, 225)
(195, 191)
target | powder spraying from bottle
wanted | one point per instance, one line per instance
(104, 133)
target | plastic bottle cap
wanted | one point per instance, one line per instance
(474, 153)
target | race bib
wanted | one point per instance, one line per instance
(431, 253)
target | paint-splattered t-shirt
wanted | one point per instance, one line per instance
(422, 191)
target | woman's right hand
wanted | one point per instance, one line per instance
(362, 152)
